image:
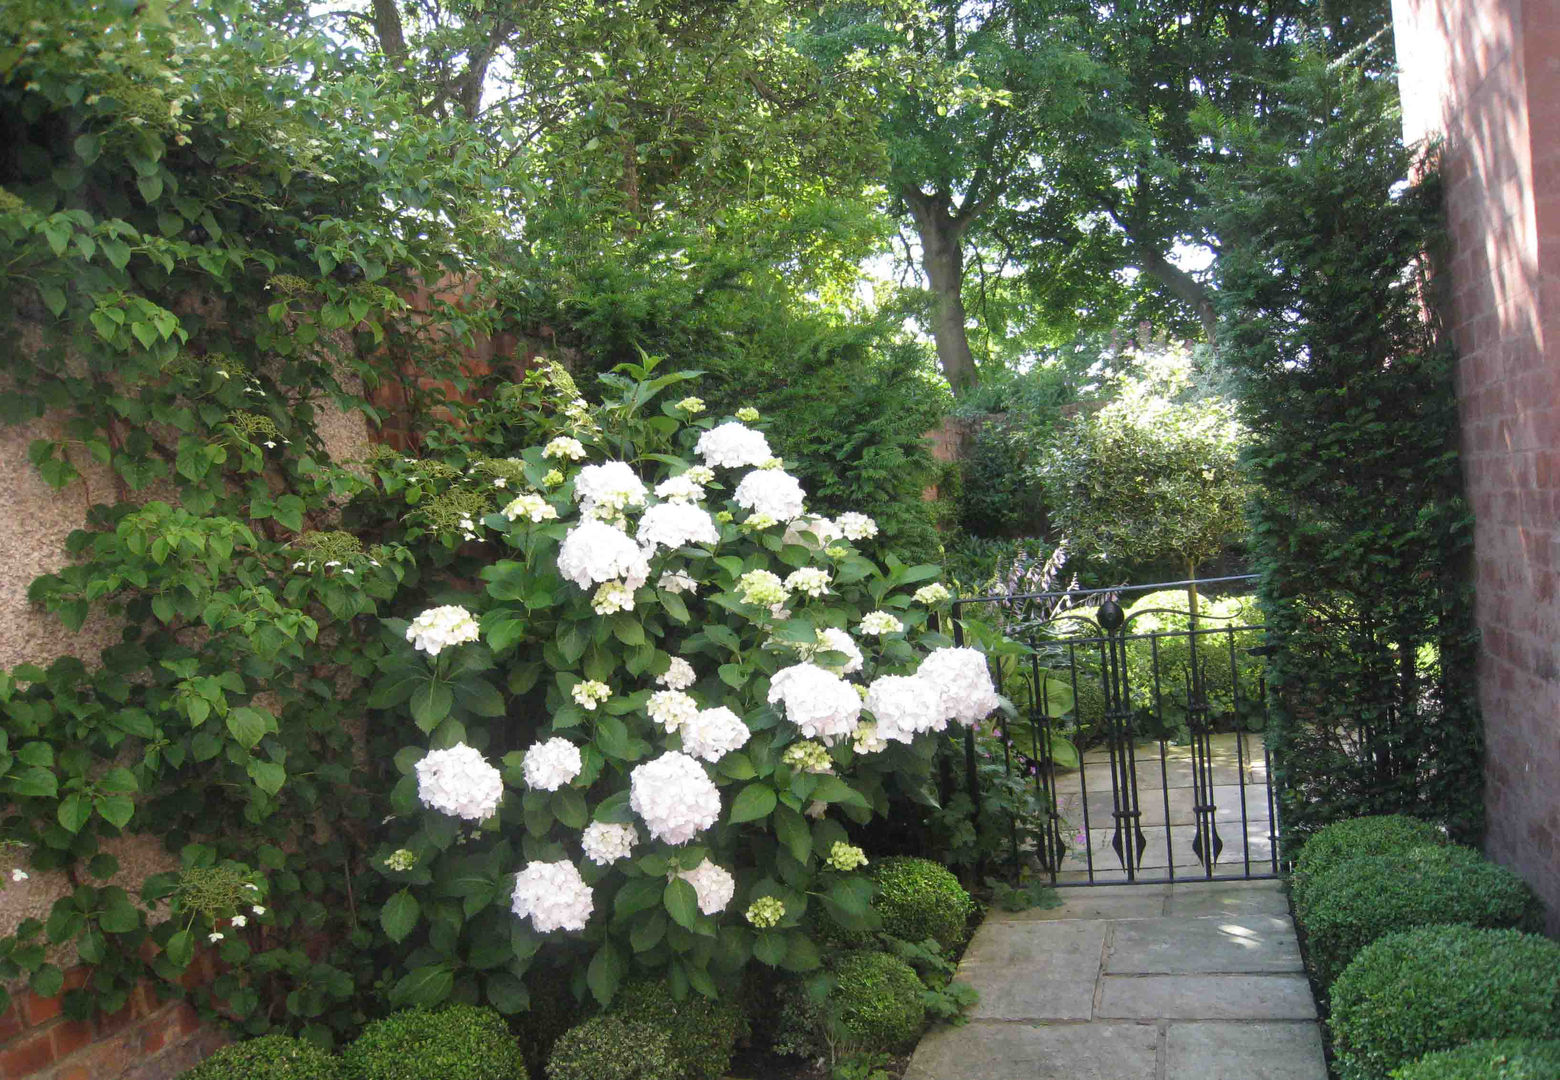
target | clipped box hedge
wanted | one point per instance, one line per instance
(1356, 838)
(1435, 988)
(1354, 902)
(1489, 1059)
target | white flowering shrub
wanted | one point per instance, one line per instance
(686, 686)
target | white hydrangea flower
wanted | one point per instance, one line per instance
(19, 875)
(713, 886)
(590, 692)
(831, 639)
(552, 764)
(699, 474)
(823, 530)
(674, 797)
(810, 580)
(564, 447)
(762, 588)
(671, 709)
(438, 628)
(933, 594)
(680, 488)
(609, 488)
(605, 843)
(880, 622)
(760, 522)
(819, 702)
(673, 524)
(553, 895)
(678, 581)
(733, 446)
(594, 552)
(714, 733)
(856, 526)
(214, 937)
(693, 406)
(530, 506)
(612, 596)
(963, 682)
(773, 463)
(866, 740)
(240, 921)
(679, 675)
(769, 491)
(458, 781)
(904, 707)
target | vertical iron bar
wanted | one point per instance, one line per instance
(1240, 752)
(1164, 771)
(1045, 772)
(971, 776)
(1083, 768)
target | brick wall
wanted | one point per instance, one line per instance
(148, 1039)
(1485, 75)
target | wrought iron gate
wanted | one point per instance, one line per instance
(1141, 731)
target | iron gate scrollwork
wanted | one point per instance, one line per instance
(1174, 729)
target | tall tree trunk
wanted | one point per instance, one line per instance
(942, 257)
(387, 28)
(1182, 286)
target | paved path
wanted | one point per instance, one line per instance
(1198, 981)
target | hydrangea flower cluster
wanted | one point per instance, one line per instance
(605, 843)
(856, 526)
(679, 675)
(673, 524)
(553, 896)
(713, 885)
(963, 682)
(681, 488)
(771, 492)
(733, 446)
(401, 860)
(866, 740)
(438, 628)
(820, 703)
(589, 693)
(878, 623)
(933, 594)
(831, 639)
(765, 912)
(671, 708)
(761, 587)
(693, 406)
(605, 491)
(747, 414)
(458, 781)
(809, 757)
(809, 579)
(823, 532)
(713, 733)
(677, 581)
(904, 707)
(564, 446)
(550, 765)
(530, 506)
(674, 797)
(846, 857)
(594, 551)
(611, 597)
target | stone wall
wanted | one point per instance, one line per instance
(1484, 75)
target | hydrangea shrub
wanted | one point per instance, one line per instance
(651, 712)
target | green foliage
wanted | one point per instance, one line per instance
(918, 899)
(1488, 1059)
(1360, 530)
(1361, 837)
(607, 1048)
(1153, 474)
(1365, 897)
(701, 1033)
(1435, 988)
(876, 1002)
(457, 1042)
(270, 1057)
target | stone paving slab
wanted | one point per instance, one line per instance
(1191, 981)
(1237, 944)
(1223, 1051)
(987, 1051)
(1206, 997)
